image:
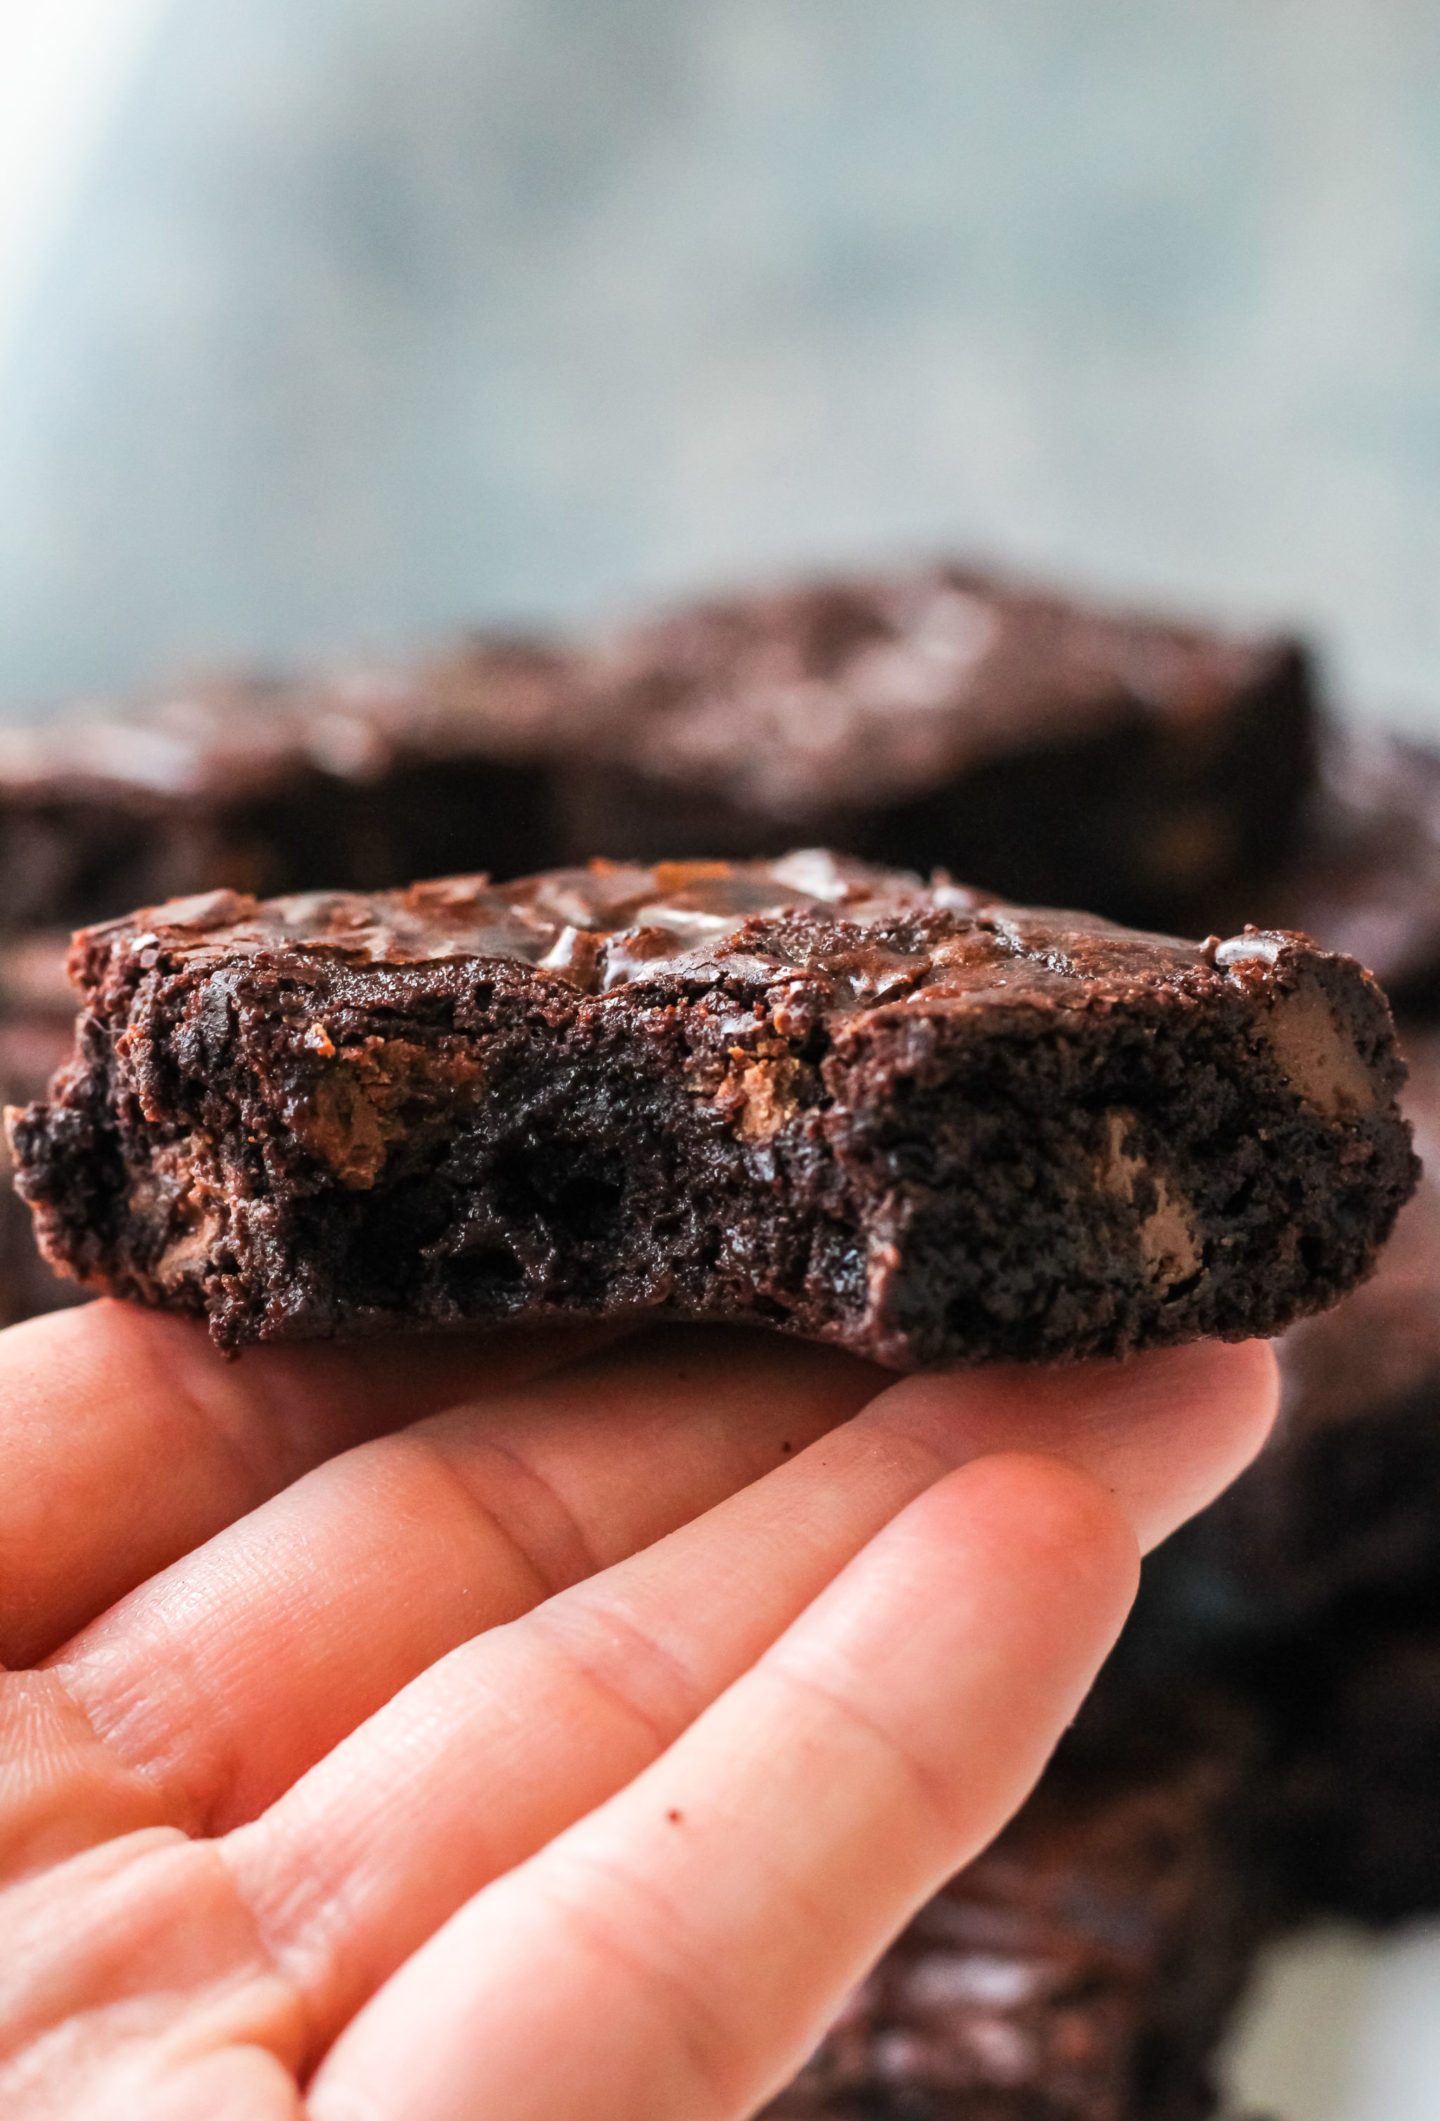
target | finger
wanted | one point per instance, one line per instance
(1165, 1445)
(133, 1988)
(509, 1739)
(233, 1671)
(680, 1950)
(61, 1789)
(226, 1677)
(126, 1440)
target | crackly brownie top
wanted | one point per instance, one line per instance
(839, 690)
(836, 932)
(612, 925)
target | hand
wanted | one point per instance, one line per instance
(549, 1727)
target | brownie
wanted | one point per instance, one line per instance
(1311, 1589)
(1364, 877)
(1055, 753)
(363, 779)
(1343, 1505)
(1083, 1968)
(931, 1127)
(1355, 1800)
(37, 1031)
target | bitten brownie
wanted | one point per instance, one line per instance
(37, 1031)
(1343, 1504)
(1082, 1969)
(931, 1127)
(1054, 752)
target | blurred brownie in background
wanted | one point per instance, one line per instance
(1042, 749)
(447, 766)
(1082, 1969)
(1050, 752)
(1365, 876)
(360, 780)
(1354, 1801)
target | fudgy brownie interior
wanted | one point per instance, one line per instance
(928, 1126)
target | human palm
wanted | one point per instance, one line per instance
(549, 1727)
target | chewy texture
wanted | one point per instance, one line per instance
(930, 1127)
(1082, 1969)
(1342, 1507)
(37, 1032)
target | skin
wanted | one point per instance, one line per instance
(550, 1728)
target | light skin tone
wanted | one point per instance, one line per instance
(550, 1728)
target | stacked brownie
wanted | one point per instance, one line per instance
(1084, 1967)
(1280, 1752)
(1041, 749)
(357, 779)
(1051, 752)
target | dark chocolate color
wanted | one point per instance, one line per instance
(1365, 876)
(1059, 753)
(37, 1031)
(1082, 1969)
(1055, 753)
(933, 1128)
(1343, 1505)
(1312, 1588)
(1355, 1800)
(363, 779)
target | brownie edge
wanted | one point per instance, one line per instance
(932, 1127)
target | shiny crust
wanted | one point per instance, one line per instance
(909, 1118)
(615, 925)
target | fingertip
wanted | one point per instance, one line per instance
(1162, 1432)
(1049, 1524)
(1190, 1422)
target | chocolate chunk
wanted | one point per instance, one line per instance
(1344, 1502)
(930, 1126)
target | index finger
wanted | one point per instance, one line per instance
(126, 1440)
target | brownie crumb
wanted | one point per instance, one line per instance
(922, 1123)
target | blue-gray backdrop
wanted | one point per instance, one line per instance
(376, 316)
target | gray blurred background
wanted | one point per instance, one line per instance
(373, 317)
